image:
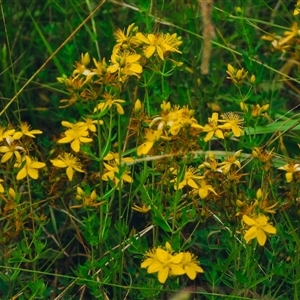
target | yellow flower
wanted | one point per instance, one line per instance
(213, 129)
(5, 133)
(167, 263)
(151, 136)
(90, 123)
(76, 135)
(236, 123)
(236, 76)
(297, 9)
(170, 42)
(153, 42)
(142, 209)
(11, 149)
(190, 175)
(210, 163)
(100, 68)
(165, 107)
(125, 41)
(115, 156)
(162, 261)
(259, 229)
(1, 186)
(172, 120)
(263, 203)
(25, 130)
(191, 265)
(109, 101)
(289, 35)
(67, 161)
(81, 66)
(290, 169)
(30, 168)
(126, 64)
(159, 43)
(113, 173)
(230, 161)
(204, 189)
(87, 200)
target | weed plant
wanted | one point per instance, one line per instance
(150, 150)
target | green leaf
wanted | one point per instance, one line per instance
(162, 224)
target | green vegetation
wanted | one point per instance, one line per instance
(150, 150)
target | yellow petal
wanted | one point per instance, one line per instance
(70, 173)
(250, 234)
(162, 255)
(160, 52)
(208, 136)
(75, 145)
(289, 176)
(136, 68)
(248, 220)
(192, 184)
(203, 193)
(144, 148)
(219, 134)
(17, 135)
(237, 131)
(133, 58)
(261, 237)
(149, 51)
(163, 275)
(64, 140)
(33, 173)
(190, 272)
(177, 258)
(154, 267)
(146, 263)
(85, 140)
(37, 165)
(177, 269)
(142, 38)
(6, 157)
(120, 109)
(270, 229)
(127, 178)
(58, 163)
(230, 69)
(22, 173)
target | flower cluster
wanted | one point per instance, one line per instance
(167, 263)
(194, 180)
(132, 52)
(286, 41)
(15, 145)
(238, 76)
(253, 216)
(172, 125)
(178, 124)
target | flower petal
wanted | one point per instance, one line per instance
(163, 274)
(250, 234)
(261, 237)
(248, 220)
(270, 229)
